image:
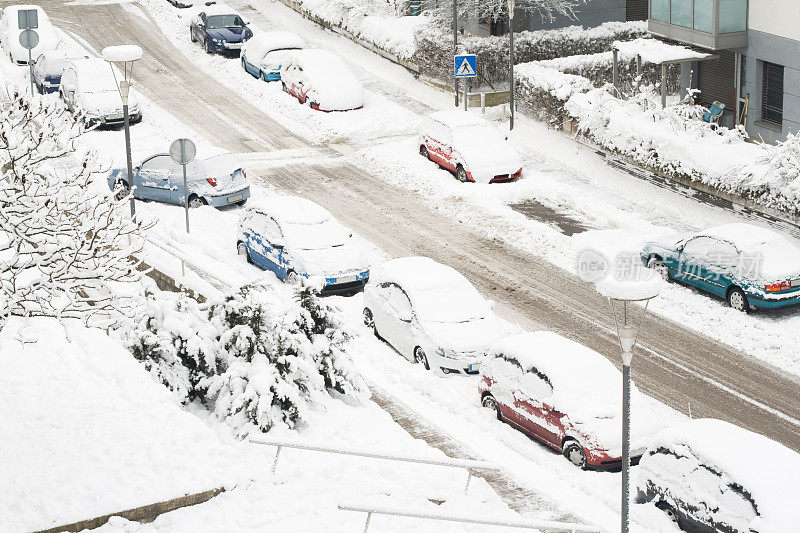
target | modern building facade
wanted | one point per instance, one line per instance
(757, 73)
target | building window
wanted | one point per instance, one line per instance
(732, 16)
(681, 13)
(704, 15)
(772, 94)
(659, 10)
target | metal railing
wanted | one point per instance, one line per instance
(469, 465)
(542, 525)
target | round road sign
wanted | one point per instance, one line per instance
(182, 151)
(29, 39)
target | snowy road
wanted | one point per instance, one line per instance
(676, 365)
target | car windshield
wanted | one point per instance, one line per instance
(452, 303)
(99, 82)
(224, 21)
(327, 234)
(221, 165)
(476, 134)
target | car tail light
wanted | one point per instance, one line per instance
(517, 174)
(778, 287)
(244, 174)
(212, 181)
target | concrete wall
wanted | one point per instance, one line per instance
(781, 51)
(591, 14)
(778, 17)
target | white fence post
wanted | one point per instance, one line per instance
(366, 524)
(469, 477)
(275, 462)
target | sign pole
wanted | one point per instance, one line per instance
(30, 67)
(455, 42)
(185, 197)
(511, 61)
(182, 152)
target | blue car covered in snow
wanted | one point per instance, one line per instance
(48, 69)
(265, 54)
(219, 32)
(296, 238)
(749, 266)
(216, 180)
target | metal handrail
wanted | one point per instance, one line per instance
(524, 523)
(468, 464)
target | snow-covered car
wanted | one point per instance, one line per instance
(10, 33)
(216, 179)
(566, 396)
(48, 68)
(469, 146)
(296, 238)
(749, 266)
(712, 476)
(88, 88)
(431, 315)
(263, 55)
(219, 31)
(322, 79)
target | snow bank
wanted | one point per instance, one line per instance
(86, 431)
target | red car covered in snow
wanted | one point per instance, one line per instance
(566, 396)
(470, 147)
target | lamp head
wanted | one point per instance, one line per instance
(627, 338)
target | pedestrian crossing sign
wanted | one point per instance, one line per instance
(466, 66)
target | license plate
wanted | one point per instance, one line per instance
(235, 198)
(233, 46)
(474, 367)
(795, 283)
(346, 279)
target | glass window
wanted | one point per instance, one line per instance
(772, 93)
(732, 16)
(704, 15)
(681, 13)
(659, 10)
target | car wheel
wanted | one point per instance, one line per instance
(423, 151)
(575, 453)
(241, 250)
(737, 300)
(191, 36)
(369, 321)
(264, 76)
(284, 87)
(124, 190)
(208, 47)
(420, 357)
(292, 278)
(669, 511)
(659, 266)
(196, 201)
(461, 174)
(490, 403)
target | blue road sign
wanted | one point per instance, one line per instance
(466, 66)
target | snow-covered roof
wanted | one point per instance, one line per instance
(219, 9)
(457, 119)
(92, 67)
(418, 273)
(657, 52)
(267, 41)
(744, 236)
(318, 60)
(291, 209)
(767, 469)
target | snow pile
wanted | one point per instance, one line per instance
(261, 355)
(122, 53)
(373, 21)
(706, 467)
(86, 431)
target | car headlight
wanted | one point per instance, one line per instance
(218, 41)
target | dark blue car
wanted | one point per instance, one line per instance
(223, 33)
(48, 68)
(749, 266)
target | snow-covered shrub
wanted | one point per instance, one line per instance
(259, 356)
(543, 91)
(434, 47)
(63, 243)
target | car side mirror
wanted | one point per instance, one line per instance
(136, 168)
(680, 247)
(278, 245)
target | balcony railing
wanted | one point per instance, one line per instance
(712, 24)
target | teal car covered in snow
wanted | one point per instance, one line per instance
(265, 54)
(749, 266)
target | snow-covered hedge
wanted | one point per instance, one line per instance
(434, 47)
(542, 91)
(258, 357)
(677, 143)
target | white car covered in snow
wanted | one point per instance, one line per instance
(470, 147)
(431, 314)
(263, 56)
(88, 87)
(296, 238)
(10, 33)
(710, 475)
(323, 80)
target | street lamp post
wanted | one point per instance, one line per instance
(639, 285)
(123, 57)
(511, 61)
(455, 44)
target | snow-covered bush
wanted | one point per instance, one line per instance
(434, 47)
(259, 356)
(63, 243)
(543, 91)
